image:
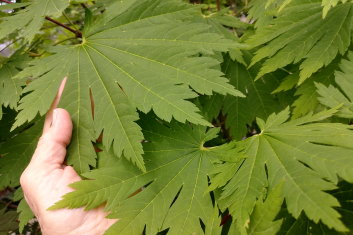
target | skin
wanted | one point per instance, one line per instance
(46, 180)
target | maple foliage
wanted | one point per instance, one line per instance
(188, 118)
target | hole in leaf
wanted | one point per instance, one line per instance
(140, 189)
(164, 232)
(176, 197)
(322, 144)
(202, 225)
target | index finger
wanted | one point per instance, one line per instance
(49, 115)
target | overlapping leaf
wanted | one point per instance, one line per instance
(143, 58)
(313, 46)
(8, 221)
(258, 98)
(175, 194)
(10, 89)
(29, 20)
(307, 95)
(281, 4)
(218, 21)
(308, 156)
(332, 97)
(306, 227)
(25, 213)
(263, 219)
(328, 4)
(261, 14)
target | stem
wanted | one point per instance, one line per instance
(218, 2)
(32, 54)
(76, 32)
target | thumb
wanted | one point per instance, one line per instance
(52, 145)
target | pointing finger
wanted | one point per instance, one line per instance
(49, 116)
(51, 149)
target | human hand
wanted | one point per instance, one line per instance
(46, 180)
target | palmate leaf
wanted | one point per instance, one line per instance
(308, 156)
(143, 58)
(30, 19)
(175, 193)
(16, 153)
(332, 97)
(316, 44)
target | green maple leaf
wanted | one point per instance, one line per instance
(308, 156)
(29, 20)
(313, 46)
(143, 58)
(16, 153)
(258, 97)
(175, 187)
(331, 96)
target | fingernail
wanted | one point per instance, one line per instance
(54, 117)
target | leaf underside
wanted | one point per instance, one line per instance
(143, 58)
